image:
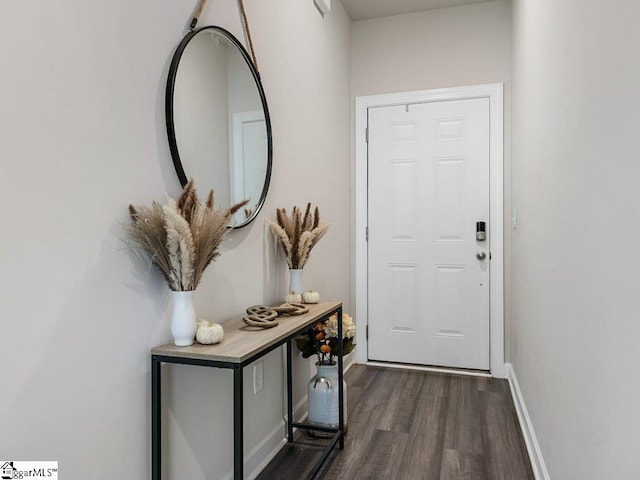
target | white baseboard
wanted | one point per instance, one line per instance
(260, 456)
(262, 463)
(533, 447)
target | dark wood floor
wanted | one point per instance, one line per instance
(413, 425)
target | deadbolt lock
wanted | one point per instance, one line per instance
(481, 231)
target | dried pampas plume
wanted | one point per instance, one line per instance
(298, 233)
(181, 236)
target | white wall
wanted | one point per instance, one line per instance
(81, 136)
(575, 264)
(448, 47)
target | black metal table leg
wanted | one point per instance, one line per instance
(289, 394)
(340, 382)
(156, 432)
(238, 429)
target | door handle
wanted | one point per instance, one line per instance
(481, 255)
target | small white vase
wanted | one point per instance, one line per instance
(183, 321)
(295, 280)
(322, 394)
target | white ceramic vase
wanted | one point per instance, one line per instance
(322, 394)
(183, 322)
(295, 280)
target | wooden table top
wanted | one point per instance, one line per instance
(242, 342)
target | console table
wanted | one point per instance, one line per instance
(241, 346)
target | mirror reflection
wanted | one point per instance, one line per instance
(220, 121)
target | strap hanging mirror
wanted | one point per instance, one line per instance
(217, 117)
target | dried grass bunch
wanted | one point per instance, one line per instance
(298, 233)
(182, 237)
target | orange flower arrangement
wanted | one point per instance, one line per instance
(322, 339)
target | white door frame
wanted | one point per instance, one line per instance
(494, 92)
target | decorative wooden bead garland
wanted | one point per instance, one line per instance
(292, 308)
(261, 316)
(266, 317)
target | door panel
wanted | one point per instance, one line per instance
(428, 186)
(403, 282)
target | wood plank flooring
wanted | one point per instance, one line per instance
(411, 425)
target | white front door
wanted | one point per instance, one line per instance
(428, 186)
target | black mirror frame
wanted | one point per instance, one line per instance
(169, 117)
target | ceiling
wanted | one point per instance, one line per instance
(366, 9)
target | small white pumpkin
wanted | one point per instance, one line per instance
(293, 297)
(310, 297)
(209, 333)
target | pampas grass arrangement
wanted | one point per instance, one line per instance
(298, 233)
(181, 236)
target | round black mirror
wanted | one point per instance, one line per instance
(218, 120)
